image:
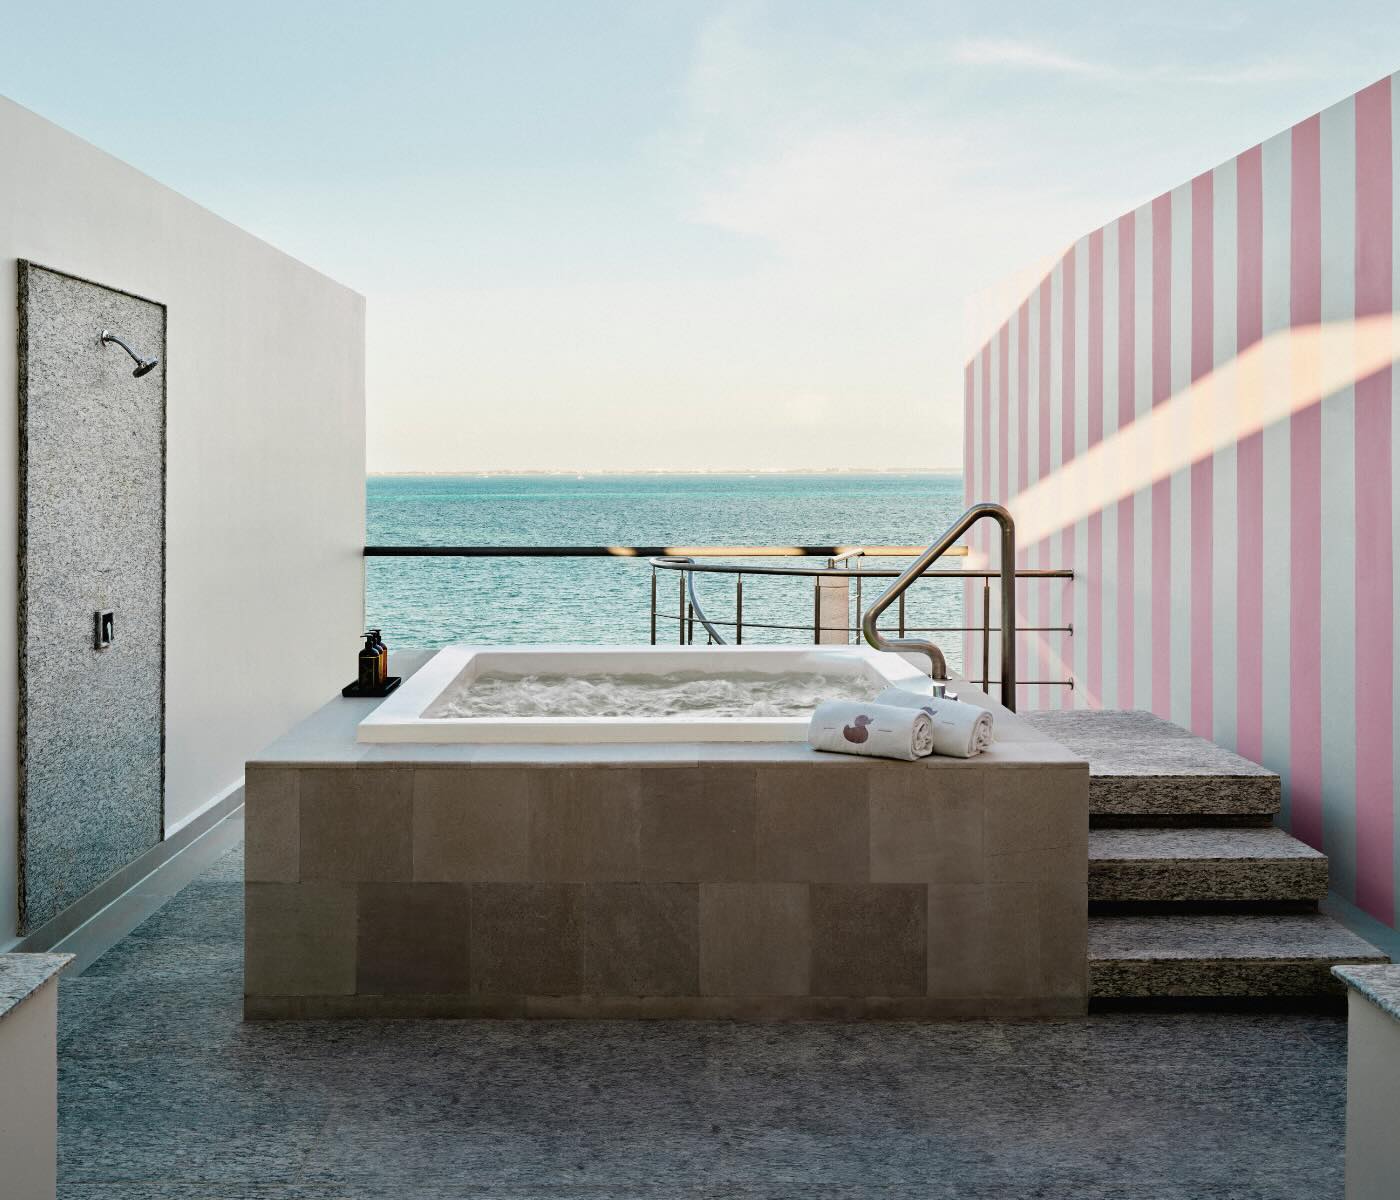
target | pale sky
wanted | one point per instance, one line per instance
(647, 235)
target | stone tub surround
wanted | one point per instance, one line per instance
(1373, 1080)
(706, 880)
(22, 975)
(1379, 983)
(28, 1074)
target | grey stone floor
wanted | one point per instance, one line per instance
(165, 1093)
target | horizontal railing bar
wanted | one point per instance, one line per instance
(645, 551)
(845, 573)
(807, 628)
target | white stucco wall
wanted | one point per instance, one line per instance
(265, 428)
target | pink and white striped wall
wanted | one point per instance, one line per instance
(1194, 411)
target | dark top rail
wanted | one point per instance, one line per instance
(644, 551)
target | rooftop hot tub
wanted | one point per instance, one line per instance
(590, 694)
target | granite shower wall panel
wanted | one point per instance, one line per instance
(91, 537)
(1196, 411)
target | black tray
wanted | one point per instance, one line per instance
(356, 692)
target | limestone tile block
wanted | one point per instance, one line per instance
(869, 939)
(755, 939)
(526, 939)
(1063, 933)
(957, 917)
(641, 939)
(357, 825)
(585, 825)
(1037, 824)
(698, 824)
(372, 1006)
(1010, 939)
(272, 824)
(813, 824)
(926, 826)
(471, 824)
(299, 939)
(984, 941)
(413, 938)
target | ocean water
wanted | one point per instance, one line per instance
(436, 602)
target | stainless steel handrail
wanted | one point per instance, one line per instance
(696, 607)
(938, 666)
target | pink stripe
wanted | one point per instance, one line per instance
(984, 483)
(986, 478)
(1249, 467)
(968, 460)
(1067, 409)
(1093, 659)
(1305, 509)
(1375, 813)
(1003, 415)
(969, 492)
(1023, 400)
(967, 434)
(1023, 412)
(1161, 489)
(1203, 472)
(1043, 605)
(1127, 414)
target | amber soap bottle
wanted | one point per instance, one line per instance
(383, 655)
(370, 675)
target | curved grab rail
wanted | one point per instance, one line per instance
(938, 666)
(680, 560)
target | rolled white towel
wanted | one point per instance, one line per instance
(959, 730)
(874, 730)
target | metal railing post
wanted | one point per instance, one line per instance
(653, 606)
(739, 609)
(986, 633)
(680, 610)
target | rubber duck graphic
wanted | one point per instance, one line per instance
(858, 732)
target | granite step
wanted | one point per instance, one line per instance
(1213, 956)
(1203, 864)
(1144, 769)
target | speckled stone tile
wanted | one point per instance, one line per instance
(165, 1094)
(1235, 955)
(21, 975)
(228, 869)
(91, 537)
(1380, 984)
(1141, 765)
(1203, 864)
(208, 912)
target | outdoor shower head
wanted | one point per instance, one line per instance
(143, 365)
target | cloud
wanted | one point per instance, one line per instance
(1002, 52)
(1011, 54)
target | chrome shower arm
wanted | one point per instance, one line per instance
(109, 336)
(143, 365)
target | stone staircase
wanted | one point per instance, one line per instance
(1193, 893)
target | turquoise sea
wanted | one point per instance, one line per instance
(434, 602)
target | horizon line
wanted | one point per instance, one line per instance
(560, 471)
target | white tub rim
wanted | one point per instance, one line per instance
(399, 717)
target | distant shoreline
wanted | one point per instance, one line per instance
(564, 474)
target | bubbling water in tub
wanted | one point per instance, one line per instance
(690, 693)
